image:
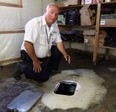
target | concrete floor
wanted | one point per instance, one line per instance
(105, 69)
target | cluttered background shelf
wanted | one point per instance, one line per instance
(95, 22)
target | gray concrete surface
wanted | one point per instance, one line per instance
(105, 69)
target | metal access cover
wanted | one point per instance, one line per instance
(25, 101)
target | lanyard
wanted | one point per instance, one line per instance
(48, 40)
(48, 35)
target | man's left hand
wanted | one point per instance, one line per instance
(67, 58)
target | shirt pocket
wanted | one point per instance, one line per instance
(43, 40)
(53, 37)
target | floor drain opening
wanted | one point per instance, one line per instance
(65, 88)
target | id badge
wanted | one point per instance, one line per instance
(49, 53)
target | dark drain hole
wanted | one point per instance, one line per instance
(65, 88)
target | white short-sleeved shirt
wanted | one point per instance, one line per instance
(42, 38)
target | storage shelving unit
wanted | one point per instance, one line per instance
(99, 6)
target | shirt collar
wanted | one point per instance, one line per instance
(45, 24)
(43, 21)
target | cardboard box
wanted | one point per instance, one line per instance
(101, 39)
(89, 32)
(108, 16)
(88, 1)
(89, 35)
(73, 2)
(108, 20)
(64, 3)
(89, 39)
(61, 3)
(64, 28)
(88, 16)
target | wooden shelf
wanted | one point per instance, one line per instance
(100, 7)
(70, 7)
(113, 48)
(78, 26)
(104, 4)
(65, 25)
(106, 26)
(88, 44)
(13, 31)
(108, 4)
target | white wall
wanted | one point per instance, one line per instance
(12, 18)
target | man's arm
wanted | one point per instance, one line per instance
(30, 51)
(61, 48)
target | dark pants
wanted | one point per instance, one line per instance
(47, 63)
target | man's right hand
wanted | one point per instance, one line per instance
(31, 52)
(37, 66)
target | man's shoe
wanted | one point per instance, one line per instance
(18, 71)
(17, 77)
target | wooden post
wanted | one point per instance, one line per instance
(97, 33)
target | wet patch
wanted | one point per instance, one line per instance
(91, 92)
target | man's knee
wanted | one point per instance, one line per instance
(44, 76)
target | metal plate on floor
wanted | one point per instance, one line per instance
(25, 101)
